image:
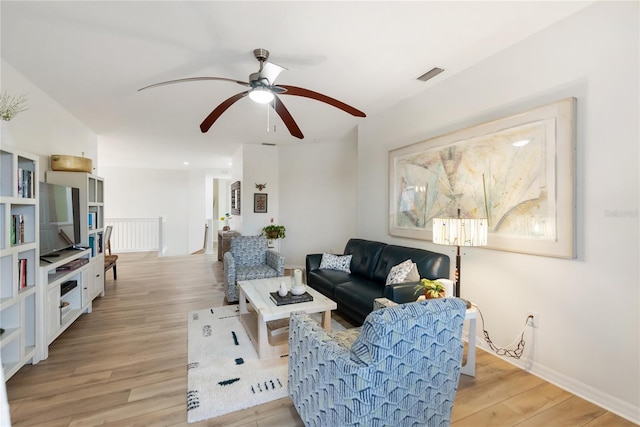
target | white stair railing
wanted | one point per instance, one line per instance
(136, 234)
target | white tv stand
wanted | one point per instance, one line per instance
(62, 308)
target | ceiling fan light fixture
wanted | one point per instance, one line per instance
(261, 95)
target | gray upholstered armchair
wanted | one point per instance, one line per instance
(249, 259)
(401, 368)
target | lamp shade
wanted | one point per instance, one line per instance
(460, 231)
(261, 95)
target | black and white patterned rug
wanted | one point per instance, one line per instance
(224, 372)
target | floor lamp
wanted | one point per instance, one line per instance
(459, 232)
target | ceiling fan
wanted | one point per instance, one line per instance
(263, 90)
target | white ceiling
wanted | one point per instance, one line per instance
(92, 56)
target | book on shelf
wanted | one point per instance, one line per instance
(93, 219)
(92, 241)
(25, 183)
(17, 229)
(290, 299)
(22, 273)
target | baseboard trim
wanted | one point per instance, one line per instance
(595, 396)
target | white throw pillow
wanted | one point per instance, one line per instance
(398, 273)
(336, 262)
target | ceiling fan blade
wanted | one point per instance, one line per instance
(298, 91)
(286, 117)
(211, 118)
(193, 79)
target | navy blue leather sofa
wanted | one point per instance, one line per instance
(370, 265)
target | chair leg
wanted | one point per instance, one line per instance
(115, 272)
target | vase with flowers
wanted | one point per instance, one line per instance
(227, 222)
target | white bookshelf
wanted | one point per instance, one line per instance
(20, 302)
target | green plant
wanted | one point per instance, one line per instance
(431, 288)
(274, 231)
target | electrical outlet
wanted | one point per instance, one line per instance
(533, 319)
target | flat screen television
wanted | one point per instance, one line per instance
(59, 218)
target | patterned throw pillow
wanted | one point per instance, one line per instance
(399, 272)
(336, 262)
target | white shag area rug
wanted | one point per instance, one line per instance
(224, 373)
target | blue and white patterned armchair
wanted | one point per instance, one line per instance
(249, 258)
(402, 369)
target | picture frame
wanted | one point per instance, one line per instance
(526, 190)
(260, 202)
(235, 198)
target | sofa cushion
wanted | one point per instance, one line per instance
(249, 250)
(355, 297)
(336, 262)
(255, 272)
(324, 281)
(365, 256)
(431, 265)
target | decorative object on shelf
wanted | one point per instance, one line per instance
(10, 106)
(62, 162)
(235, 198)
(227, 221)
(261, 187)
(532, 154)
(459, 232)
(260, 203)
(431, 288)
(273, 231)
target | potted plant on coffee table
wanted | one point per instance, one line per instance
(431, 288)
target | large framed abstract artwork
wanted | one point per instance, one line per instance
(518, 172)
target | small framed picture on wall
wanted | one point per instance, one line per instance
(259, 203)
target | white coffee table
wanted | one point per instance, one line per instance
(257, 309)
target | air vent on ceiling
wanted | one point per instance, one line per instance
(269, 144)
(430, 74)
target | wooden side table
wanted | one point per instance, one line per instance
(224, 242)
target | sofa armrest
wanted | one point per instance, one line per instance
(401, 293)
(229, 265)
(313, 261)
(275, 261)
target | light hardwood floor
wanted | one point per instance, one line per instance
(125, 364)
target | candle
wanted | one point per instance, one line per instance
(297, 276)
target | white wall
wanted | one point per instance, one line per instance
(588, 338)
(260, 165)
(153, 193)
(318, 197)
(46, 128)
